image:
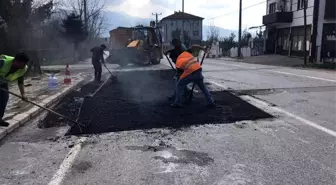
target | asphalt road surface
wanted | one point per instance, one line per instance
(297, 146)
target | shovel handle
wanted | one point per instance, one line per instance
(45, 108)
(171, 65)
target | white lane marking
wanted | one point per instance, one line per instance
(279, 110)
(220, 85)
(279, 72)
(292, 74)
(67, 163)
(234, 65)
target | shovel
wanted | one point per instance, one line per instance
(45, 108)
(108, 70)
(170, 63)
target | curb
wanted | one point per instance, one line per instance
(22, 118)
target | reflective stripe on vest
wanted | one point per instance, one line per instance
(5, 68)
(187, 63)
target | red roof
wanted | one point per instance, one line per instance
(180, 15)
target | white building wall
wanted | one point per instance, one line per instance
(168, 26)
(298, 18)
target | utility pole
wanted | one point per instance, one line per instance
(156, 18)
(240, 30)
(85, 15)
(305, 30)
(182, 30)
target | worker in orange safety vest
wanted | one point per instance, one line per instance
(191, 71)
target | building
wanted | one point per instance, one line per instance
(285, 28)
(172, 26)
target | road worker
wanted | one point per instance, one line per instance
(11, 69)
(98, 60)
(173, 54)
(191, 71)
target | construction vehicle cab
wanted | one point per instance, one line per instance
(144, 47)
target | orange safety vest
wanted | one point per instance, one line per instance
(188, 63)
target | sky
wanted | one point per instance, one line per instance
(212, 10)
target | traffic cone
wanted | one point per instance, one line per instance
(67, 79)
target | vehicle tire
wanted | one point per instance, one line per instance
(156, 59)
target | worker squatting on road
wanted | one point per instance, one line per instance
(11, 69)
(98, 60)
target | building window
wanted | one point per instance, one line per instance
(196, 22)
(282, 43)
(298, 38)
(272, 8)
(301, 4)
(195, 33)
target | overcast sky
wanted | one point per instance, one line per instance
(203, 8)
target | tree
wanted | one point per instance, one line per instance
(245, 38)
(213, 35)
(259, 34)
(20, 25)
(226, 43)
(94, 16)
(74, 30)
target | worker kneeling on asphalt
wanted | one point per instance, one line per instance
(11, 69)
(98, 60)
(192, 72)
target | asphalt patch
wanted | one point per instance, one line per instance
(68, 106)
(137, 100)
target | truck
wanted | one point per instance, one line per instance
(140, 45)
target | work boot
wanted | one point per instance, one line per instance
(4, 123)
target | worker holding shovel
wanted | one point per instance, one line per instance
(173, 54)
(11, 69)
(191, 71)
(97, 61)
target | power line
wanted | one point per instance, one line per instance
(156, 17)
(238, 10)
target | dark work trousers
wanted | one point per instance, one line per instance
(176, 78)
(197, 78)
(186, 90)
(97, 70)
(3, 99)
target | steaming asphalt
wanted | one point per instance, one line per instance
(296, 147)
